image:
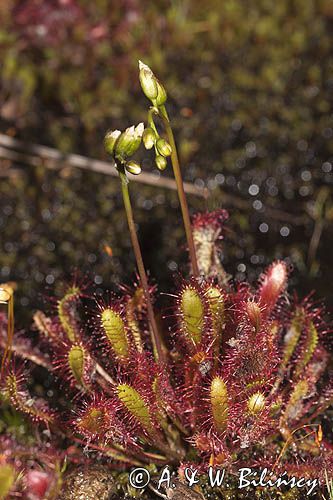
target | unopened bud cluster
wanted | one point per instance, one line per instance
(123, 145)
(163, 149)
(154, 90)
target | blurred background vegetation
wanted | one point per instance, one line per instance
(250, 96)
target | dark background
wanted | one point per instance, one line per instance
(250, 97)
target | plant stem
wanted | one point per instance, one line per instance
(141, 268)
(180, 188)
(7, 297)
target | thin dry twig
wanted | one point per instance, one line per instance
(32, 154)
(22, 153)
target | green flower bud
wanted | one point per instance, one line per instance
(149, 138)
(110, 140)
(133, 167)
(129, 141)
(150, 85)
(163, 147)
(161, 162)
(148, 81)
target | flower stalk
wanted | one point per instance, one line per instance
(7, 298)
(155, 92)
(180, 188)
(139, 260)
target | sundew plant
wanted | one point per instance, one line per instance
(229, 375)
